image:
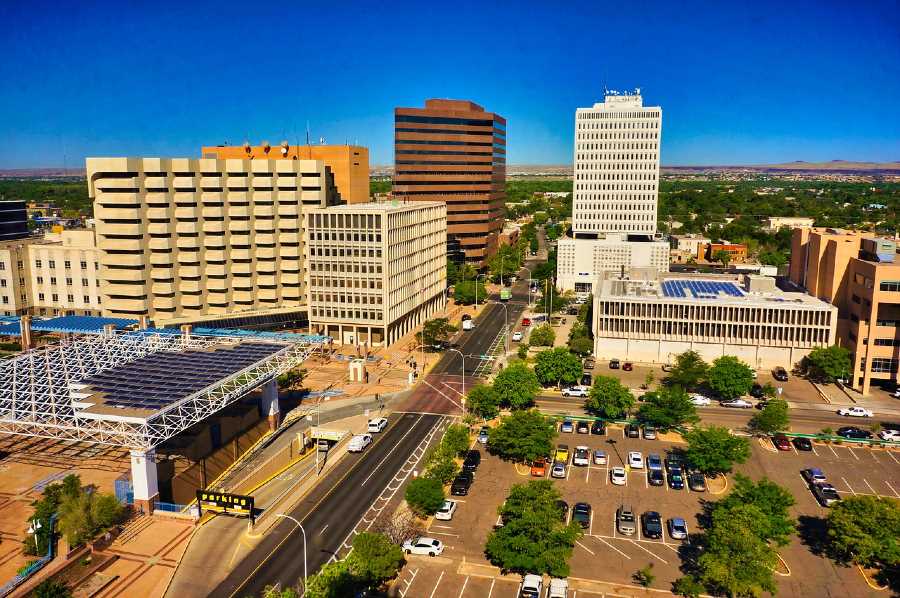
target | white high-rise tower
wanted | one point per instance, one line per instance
(615, 193)
(616, 167)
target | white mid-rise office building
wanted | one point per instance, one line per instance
(615, 192)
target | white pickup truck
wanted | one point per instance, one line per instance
(359, 443)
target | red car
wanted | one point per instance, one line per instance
(627, 366)
(526, 322)
(781, 442)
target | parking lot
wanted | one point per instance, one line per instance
(604, 560)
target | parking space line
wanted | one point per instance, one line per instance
(646, 484)
(815, 452)
(585, 547)
(446, 534)
(892, 489)
(849, 486)
(463, 589)
(491, 591)
(587, 476)
(891, 455)
(434, 591)
(412, 578)
(871, 452)
(870, 486)
(852, 452)
(591, 524)
(613, 547)
(671, 547)
(833, 452)
(649, 552)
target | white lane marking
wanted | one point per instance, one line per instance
(587, 477)
(815, 452)
(585, 547)
(443, 526)
(491, 591)
(463, 589)
(434, 591)
(649, 552)
(393, 448)
(891, 455)
(852, 452)
(613, 547)
(323, 529)
(869, 485)
(591, 524)
(446, 534)
(849, 486)
(409, 583)
(892, 489)
(833, 452)
(871, 452)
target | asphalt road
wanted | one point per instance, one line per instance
(328, 513)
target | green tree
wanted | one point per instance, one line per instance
(523, 436)
(609, 398)
(52, 588)
(483, 401)
(84, 513)
(689, 370)
(516, 386)
(542, 336)
(773, 417)
(582, 346)
(865, 530)
(533, 245)
(425, 496)
(667, 408)
(277, 592)
(532, 538)
(773, 258)
(723, 257)
(557, 366)
(730, 377)
(374, 559)
(435, 332)
(291, 379)
(464, 292)
(442, 467)
(714, 450)
(334, 580)
(827, 364)
(456, 439)
(644, 576)
(773, 501)
(688, 587)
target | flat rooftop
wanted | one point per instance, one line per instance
(380, 206)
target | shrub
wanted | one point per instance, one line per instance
(425, 496)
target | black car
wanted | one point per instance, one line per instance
(756, 391)
(697, 481)
(472, 461)
(613, 364)
(802, 444)
(598, 427)
(655, 477)
(651, 525)
(582, 427)
(581, 513)
(462, 483)
(674, 461)
(586, 379)
(633, 431)
(676, 479)
(780, 374)
(853, 432)
(563, 507)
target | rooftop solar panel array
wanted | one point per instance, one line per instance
(700, 289)
(160, 379)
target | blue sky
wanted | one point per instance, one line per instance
(754, 82)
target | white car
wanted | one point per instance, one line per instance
(445, 513)
(854, 412)
(558, 470)
(618, 476)
(889, 435)
(423, 545)
(359, 443)
(700, 400)
(517, 336)
(576, 391)
(582, 456)
(737, 404)
(377, 425)
(531, 587)
(559, 588)
(635, 460)
(599, 457)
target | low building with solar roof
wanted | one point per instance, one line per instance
(651, 318)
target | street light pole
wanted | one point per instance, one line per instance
(463, 357)
(303, 531)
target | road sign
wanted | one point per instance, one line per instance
(223, 502)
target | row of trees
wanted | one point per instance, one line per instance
(425, 494)
(515, 387)
(374, 560)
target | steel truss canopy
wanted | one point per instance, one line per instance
(134, 389)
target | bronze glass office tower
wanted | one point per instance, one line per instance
(455, 152)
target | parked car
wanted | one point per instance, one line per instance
(825, 493)
(697, 481)
(461, 483)
(613, 364)
(359, 443)
(654, 461)
(627, 366)
(576, 391)
(781, 442)
(678, 529)
(625, 520)
(676, 479)
(802, 444)
(558, 470)
(567, 426)
(649, 433)
(558, 588)
(586, 379)
(780, 374)
(813, 475)
(445, 513)
(651, 525)
(655, 477)
(582, 456)
(635, 460)
(600, 457)
(618, 476)
(472, 461)
(589, 363)
(854, 412)
(531, 587)
(737, 404)
(562, 453)
(598, 427)
(700, 400)
(423, 545)
(483, 434)
(581, 513)
(517, 336)
(890, 435)
(632, 431)
(756, 391)
(674, 461)
(539, 467)
(377, 425)
(582, 427)
(853, 432)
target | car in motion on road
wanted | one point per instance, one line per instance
(483, 434)
(445, 513)
(359, 443)
(854, 433)
(651, 525)
(781, 442)
(377, 425)
(678, 529)
(737, 404)
(627, 366)
(558, 470)
(618, 476)
(635, 460)
(613, 364)
(780, 374)
(539, 467)
(517, 336)
(589, 364)
(567, 427)
(423, 545)
(625, 520)
(854, 412)
(700, 400)
(825, 493)
(576, 391)
(461, 483)
(526, 322)
(581, 513)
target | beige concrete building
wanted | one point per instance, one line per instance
(54, 276)
(376, 270)
(198, 240)
(648, 317)
(859, 274)
(779, 222)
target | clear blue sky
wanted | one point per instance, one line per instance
(759, 83)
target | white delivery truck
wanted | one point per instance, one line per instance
(467, 322)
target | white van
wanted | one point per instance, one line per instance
(468, 324)
(377, 425)
(559, 588)
(359, 443)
